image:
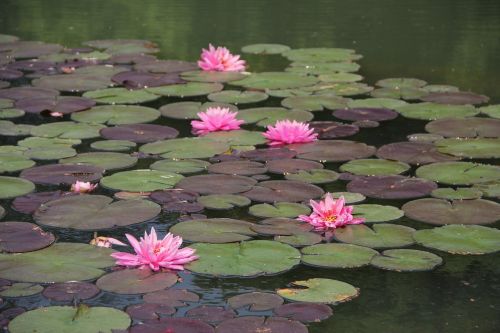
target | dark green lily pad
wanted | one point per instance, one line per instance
(223, 201)
(241, 168)
(300, 239)
(121, 96)
(8, 38)
(182, 166)
(265, 48)
(465, 128)
(391, 187)
(202, 147)
(439, 211)
(339, 89)
(67, 130)
(275, 80)
(13, 163)
(460, 239)
(251, 258)
(461, 193)
(30, 49)
(68, 319)
(136, 281)
(459, 173)
(113, 145)
(283, 93)
(217, 184)
(212, 76)
(321, 68)
(37, 142)
(107, 161)
(492, 111)
(266, 116)
(321, 54)
(2, 212)
(250, 324)
(489, 189)
(237, 97)
(279, 209)
(313, 176)
(406, 93)
(57, 174)
(14, 187)
(349, 197)
(238, 137)
(190, 110)
(283, 191)
(64, 292)
(387, 103)
(75, 82)
(432, 88)
(8, 128)
(319, 291)
(93, 212)
(139, 133)
(401, 82)
(456, 98)
(60, 262)
(337, 255)
(340, 77)
(314, 103)
(332, 150)
(413, 153)
(406, 260)
(117, 115)
(257, 301)
(433, 111)
(470, 148)
(189, 89)
(374, 167)
(221, 230)
(281, 226)
(141, 180)
(381, 236)
(373, 213)
(21, 289)
(172, 297)
(11, 113)
(23, 237)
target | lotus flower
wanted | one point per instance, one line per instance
(286, 132)
(330, 214)
(220, 59)
(56, 114)
(102, 241)
(155, 254)
(83, 187)
(216, 119)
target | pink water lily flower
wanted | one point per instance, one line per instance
(155, 254)
(83, 187)
(56, 114)
(287, 132)
(216, 119)
(220, 59)
(330, 214)
(102, 241)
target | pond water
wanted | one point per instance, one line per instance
(442, 42)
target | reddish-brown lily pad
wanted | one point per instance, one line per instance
(391, 187)
(149, 311)
(216, 184)
(283, 190)
(375, 114)
(210, 314)
(57, 174)
(172, 297)
(27, 204)
(333, 129)
(172, 325)
(465, 127)
(18, 93)
(136, 281)
(61, 104)
(23, 237)
(332, 150)
(139, 133)
(413, 153)
(241, 168)
(257, 301)
(304, 312)
(252, 324)
(292, 165)
(456, 98)
(267, 154)
(69, 291)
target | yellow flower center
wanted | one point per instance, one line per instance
(330, 218)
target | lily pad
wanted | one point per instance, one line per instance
(304, 312)
(279, 209)
(165, 66)
(492, 111)
(141, 80)
(172, 297)
(281, 226)
(283, 190)
(217, 184)
(489, 189)
(237, 97)
(284, 166)
(340, 89)
(337, 255)
(57, 174)
(376, 114)
(321, 54)
(68, 319)
(139, 133)
(439, 211)
(251, 324)
(93, 212)
(177, 325)
(314, 103)
(257, 301)
(313, 176)
(374, 167)
(11, 113)
(381, 236)
(391, 187)
(18, 93)
(460, 239)
(320, 291)
(31, 49)
(190, 110)
(113, 145)
(237, 137)
(433, 111)
(141, 180)
(212, 76)
(423, 137)
(320, 68)
(21, 289)
(333, 129)
(387, 103)
(210, 314)
(136, 281)
(60, 262)
(332, 150)
(69, 291)
(459, 173)
(465, 128)
(300, 239)
(27, 204)
(275, 80)
(182, 166)
(186, 148)
(406, 260)
(461, 193)
(470, 148)
(75, 82)
(340, 77)
(13, 163)
(265, 48)
(149, 311)
(190, 89)
(266, 116)
(221, 230)
(456, 98)
(117, 115)
(401, 82)
(373, 213)
(67, 130)
(267, 154)
(223, 201)
(432, 88)
(241, 168)
(406, 93)
(8, 128)
(14, 187)
(349, 197)
(251, 258)
(23, 237)
(121, 96)
(107, 161)
(61, 104)
(413, 153)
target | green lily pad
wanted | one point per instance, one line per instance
(465, 127)
(349, 197)
(459, 173)
(21, 289)
(270, 115)
(6, 103)
(374, 167)
(321, 54)
(202, 147)
(439, 211)
(460, 239)
(221, 230)
(238, 97)
(461, 193)
(339, 89)
(313, 176)
(117, 115)
(12, 163)
(217, 184)
(189, 89)
(93, 212)
(182, 166)
(387, 103)
(2, 212)
(489, 189)
(321, 68)
(406, 93)
(283, 93)
(75, 82)
(275, 80)
(238, 137)
(320, 291)
(337, 255)
(265, 48)
(377, 213)
(121, 96)
(223, 201)
(381, 236)
(433, 111)
(432, 88)
(247, 259)
(492, 111)
(67, 319)
(401, 82)
(340, 77)
(60, 262)
(314, 103)
(332, 150)
(14, 187)
(49, 153)
(67, 130)
(141, 180)
(300, 239)
(8, 128)
(136, 281)
(113, 145)
(105, 160)
(406, 260)
(190, 110)
(470, 148)
(11, 113)
(281, 226)
(279, 209)
(212, 76)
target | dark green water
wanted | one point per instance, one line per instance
(453, 42)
